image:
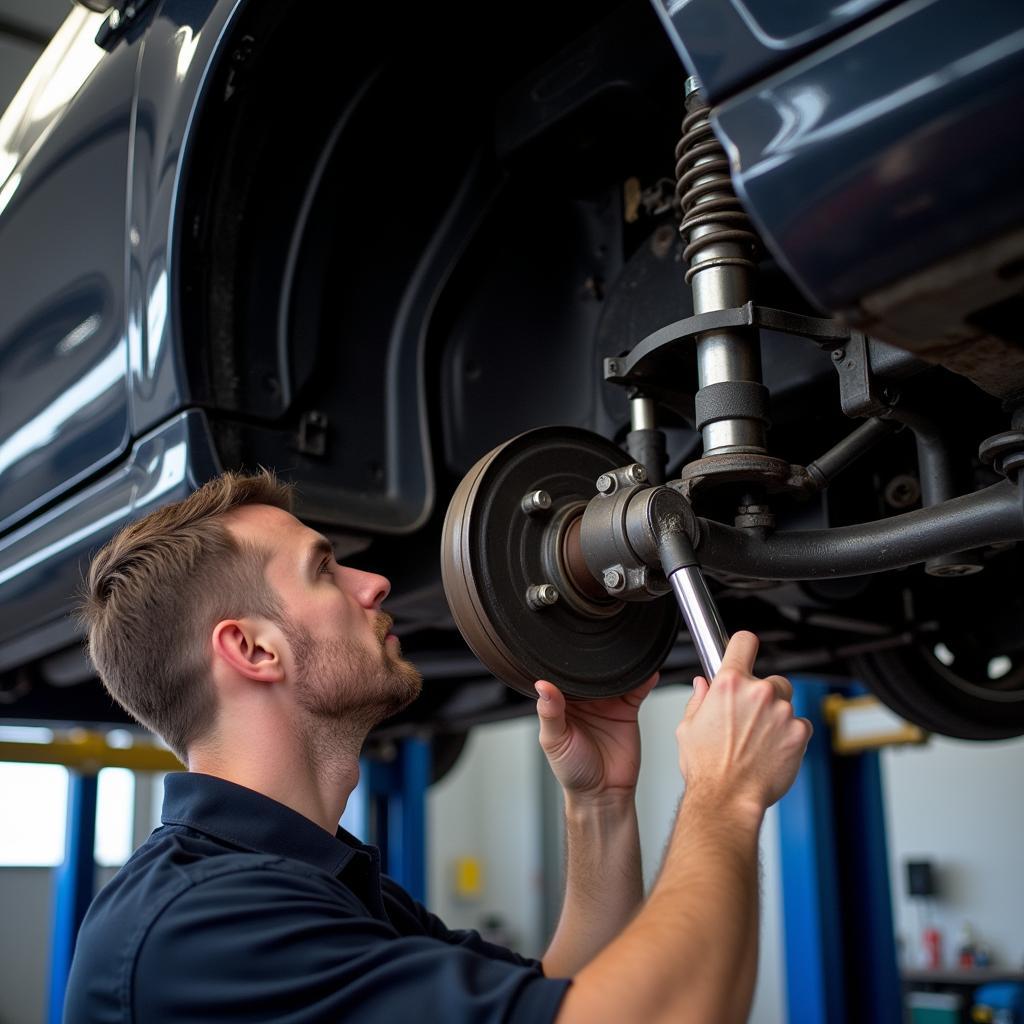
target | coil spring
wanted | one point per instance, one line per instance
(698, 142)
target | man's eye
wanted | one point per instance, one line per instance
(325, 567)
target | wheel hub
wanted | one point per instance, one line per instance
(512, 525)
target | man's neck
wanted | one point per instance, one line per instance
(314, 776)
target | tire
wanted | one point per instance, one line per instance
(919, 687)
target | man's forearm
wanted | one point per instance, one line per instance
(687, 955)
(604, 881)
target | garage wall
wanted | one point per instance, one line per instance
(486, 808)
(958, 804)
(26, 896)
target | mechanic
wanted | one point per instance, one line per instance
(226, 626)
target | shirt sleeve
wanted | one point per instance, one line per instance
(426, 923)
(262, 945)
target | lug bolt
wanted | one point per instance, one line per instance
(541, 595)
(637, 473)
(535, 501)
(605, 483)
(613, 579)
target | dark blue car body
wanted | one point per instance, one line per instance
(869, 142)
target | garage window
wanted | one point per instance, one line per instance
(34, 803)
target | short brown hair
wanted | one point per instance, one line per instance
(154, 593)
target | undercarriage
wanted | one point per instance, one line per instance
(547, 579)
(397, 262)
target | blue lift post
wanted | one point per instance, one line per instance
(391, 800)
(75, 885)
(840, 948)
(84, 754)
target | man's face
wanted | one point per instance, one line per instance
(344, 661)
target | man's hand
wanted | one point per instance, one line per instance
(739, 739)
(739, 749)
(593, 746)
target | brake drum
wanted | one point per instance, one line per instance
(503, 546)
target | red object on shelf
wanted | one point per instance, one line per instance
(931, 938)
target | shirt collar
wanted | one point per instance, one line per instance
(247, 819)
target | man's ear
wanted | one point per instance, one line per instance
(251, 647)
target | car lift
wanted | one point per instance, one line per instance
(840, 950)
(841, 965)
(388, 809)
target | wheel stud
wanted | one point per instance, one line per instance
(535, 501)
(541, 595)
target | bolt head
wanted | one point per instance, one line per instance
(838, 354)
(605, 483)
(541, 595)
(536, 501)
(902, 491)
(637, 473)
(613, 579)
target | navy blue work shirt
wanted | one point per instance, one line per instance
(241, 909)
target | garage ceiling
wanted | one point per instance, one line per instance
(26, 26)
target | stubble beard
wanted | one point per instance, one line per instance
(349, 685)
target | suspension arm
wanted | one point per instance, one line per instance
(990, 516)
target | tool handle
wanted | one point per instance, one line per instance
(701, 615)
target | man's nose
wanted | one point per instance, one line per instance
(369, 589)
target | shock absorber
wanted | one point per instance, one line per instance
(720, 247)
